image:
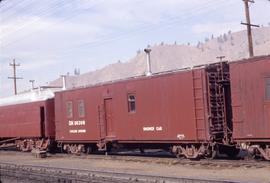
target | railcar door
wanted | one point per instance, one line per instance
(109, 118)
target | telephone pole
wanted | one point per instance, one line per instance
(220, 58)
(249, 25)
(14, 65)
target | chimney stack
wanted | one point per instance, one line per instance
(64, 87)
(32, 84)
(148, 71)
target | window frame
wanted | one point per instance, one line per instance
(267, 88)
(81, 101)
(129, 102)
(69, 109)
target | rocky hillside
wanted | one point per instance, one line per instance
(166, 57)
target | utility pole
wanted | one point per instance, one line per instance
(221, 58)
(249, 25)
(14, 65)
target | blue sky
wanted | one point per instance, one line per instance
(50, 38)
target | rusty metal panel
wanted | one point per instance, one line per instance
(250, 104)
(165, 109)
(23, 120)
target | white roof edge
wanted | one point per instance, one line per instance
(33, 96)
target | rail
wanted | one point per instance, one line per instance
(55, 174)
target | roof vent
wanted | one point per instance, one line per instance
(148, 71)
(64, 85)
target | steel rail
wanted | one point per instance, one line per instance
(166, 160)
(38, 172)
(172, 160)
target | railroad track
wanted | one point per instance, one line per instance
(215, 163)
(165, 160)
(36, 173)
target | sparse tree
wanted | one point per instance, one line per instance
(212, 37)
(138, 52)
(75, 71)
(225, 37)
(199, 44)
(175, 43)
(220, 39)
(220, 48)
(206, 40)
(202, 49)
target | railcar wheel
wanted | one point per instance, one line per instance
(180, 156)
(214, 152)
(108, 148)
(233, 153)
(90, 149)
(141, 150)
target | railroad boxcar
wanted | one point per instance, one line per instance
(27, 120)
(184, 111)
(250, 90)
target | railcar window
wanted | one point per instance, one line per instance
(69, 109)
(267, 88)
(81, 108)
(131, 103)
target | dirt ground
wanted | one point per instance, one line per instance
(251, 174)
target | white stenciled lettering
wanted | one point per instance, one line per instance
(159, 128)
(152, 128)
(82, 131)
(76, 123)
(77, 131)
(73, 131)
(180, 136)
(149, 128)
(70, 123)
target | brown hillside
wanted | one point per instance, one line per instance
(170, 57)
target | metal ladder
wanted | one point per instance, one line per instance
(199, 102)
(218, 77)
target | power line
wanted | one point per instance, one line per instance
(31, 33)
(37, 18)
(12, 6)
(174, 20)
(185, 17)
(72, 16)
